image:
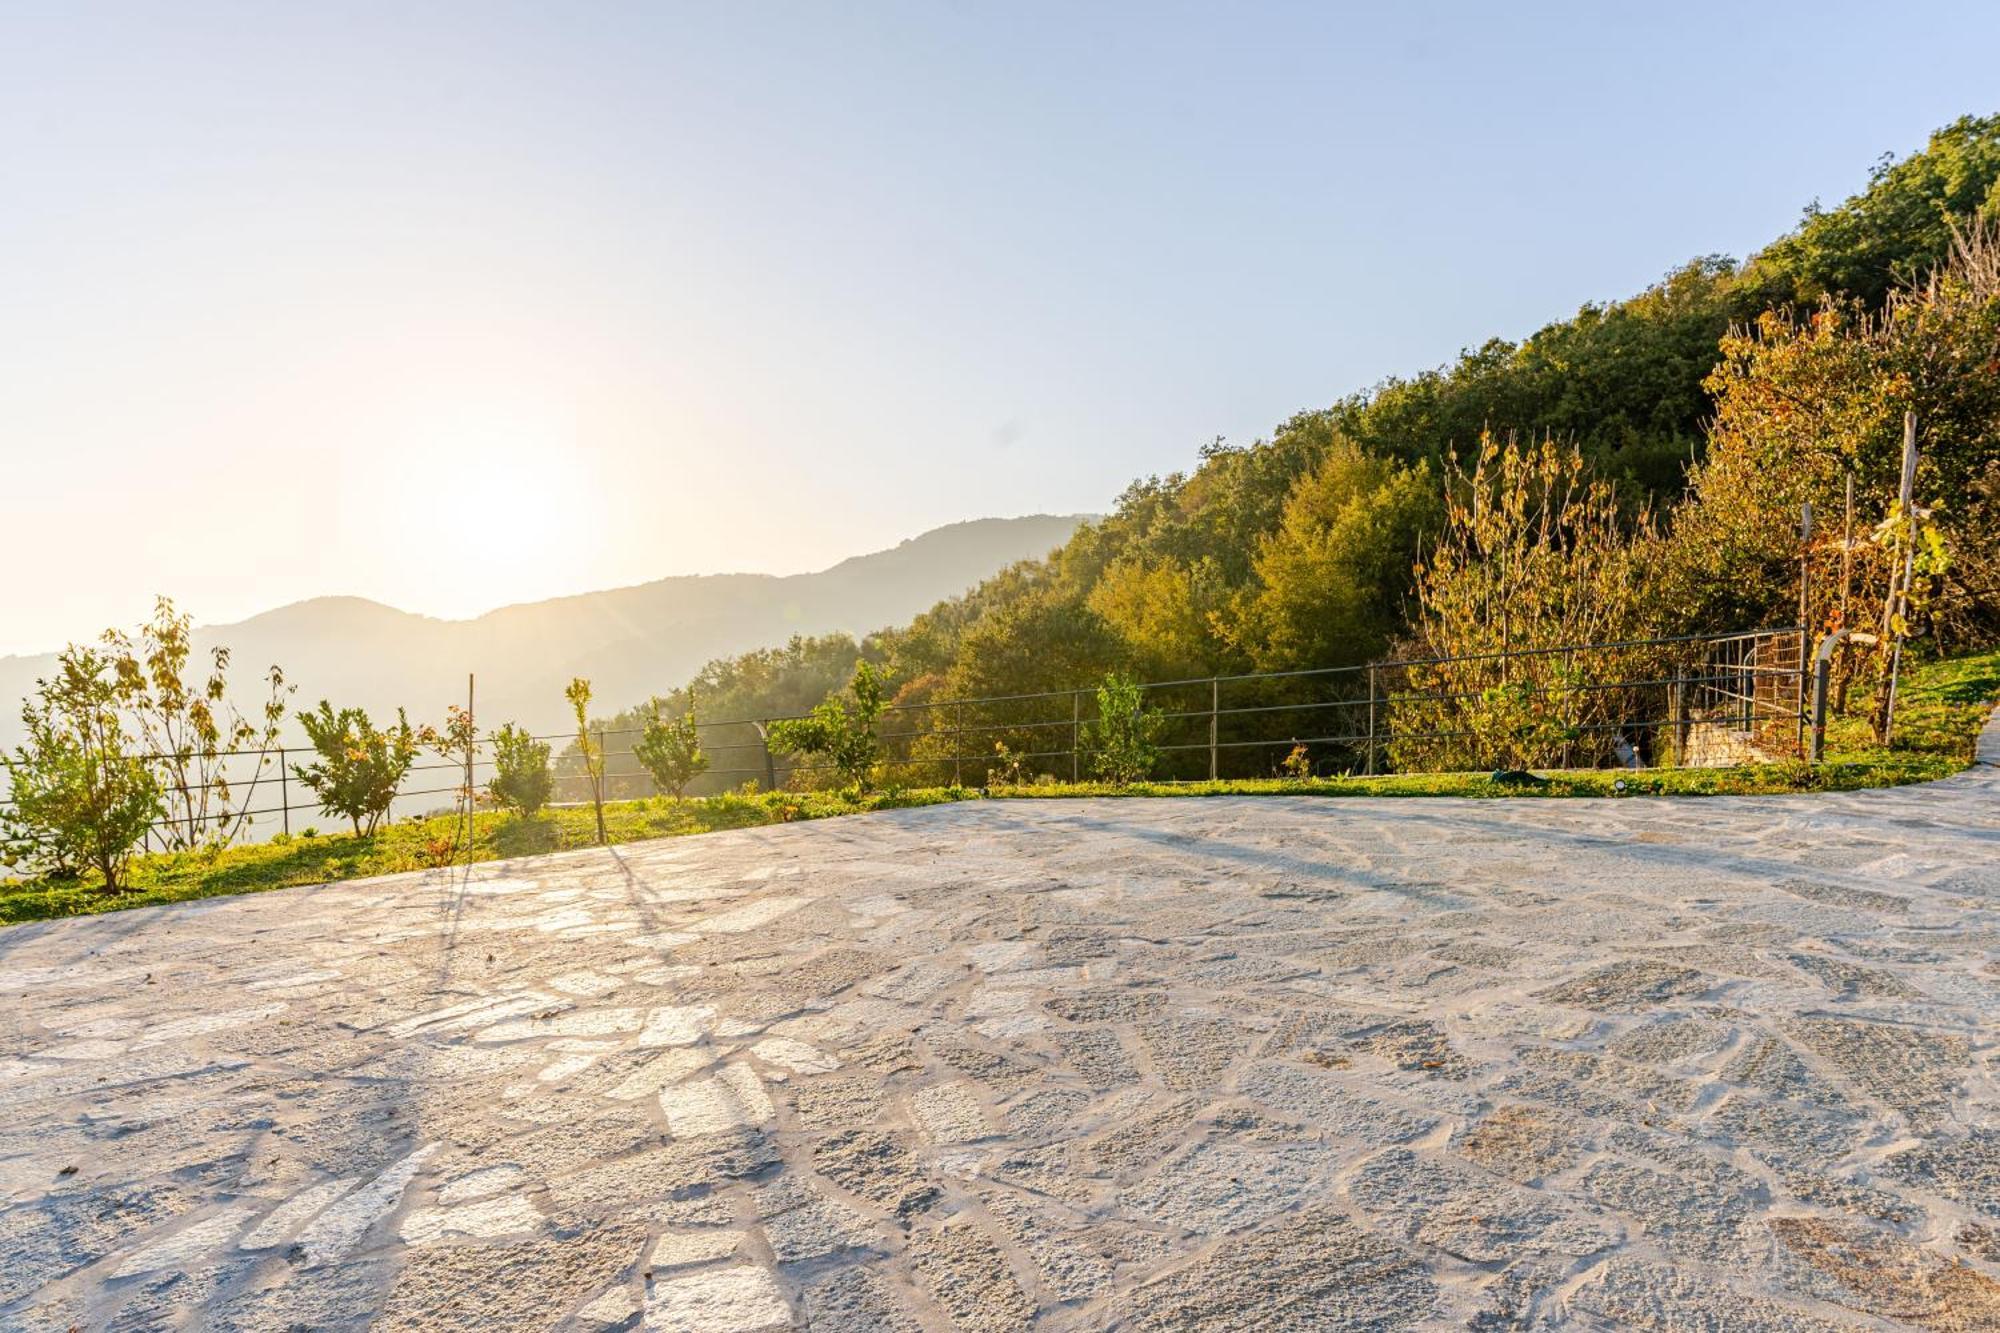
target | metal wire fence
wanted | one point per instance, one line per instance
(1696, 700)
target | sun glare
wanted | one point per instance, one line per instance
(500, 512)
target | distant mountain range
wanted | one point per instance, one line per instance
(631, 643)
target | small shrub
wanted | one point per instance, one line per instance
(1009, 767)
(522, 780)
(1121, 735)
(359, 768)
(841, 729)
(1297, 765)
(670, 750)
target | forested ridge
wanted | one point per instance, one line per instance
(1660, 447)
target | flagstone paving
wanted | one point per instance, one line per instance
(1223, 1064)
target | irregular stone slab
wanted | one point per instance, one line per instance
(1220, 1185)
(719, 1301)
(1190, 1051)
(679, 1249)
(1633, 1294)
(189, 1245)
(1965, 1169)
(949, 1113)
(1443, 1204)
(800, 1223)
(1415, 1044)
(1916, 1072)
(731, 1099)
(1314, 1271)
(1874, 1271)
(1633, 984)
(483, 1219)
(969, 1279)
(473, 1287)
(1523, 1143)
(858, 1300)
(795, 1056)
(341, 1226)
(875, 1166)
(1699, 1219)
(677, 1025)
(284, 1221)
(1327, 1101)
(1097, 1055)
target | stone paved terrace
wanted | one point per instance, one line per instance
(1217, 1064)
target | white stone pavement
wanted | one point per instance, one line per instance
(1232, 1063)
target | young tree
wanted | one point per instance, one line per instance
(589, 748)
(189, 729)
(359, 768)
(457, 743)
(1121, 735)
(521, 779)
(78, 794)
(670, 749)
(841, 729)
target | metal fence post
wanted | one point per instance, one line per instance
(1674, 719)
(1371, 722)
(957, 739)
(284, 793)
(1823, 680)
(1822, 677)
(1571, 723)
(1214, 711)
(1075, 733)
(770, 766)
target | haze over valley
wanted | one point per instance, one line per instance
(630, 642)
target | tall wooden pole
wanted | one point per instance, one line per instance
(1846, 588)
(1897, 602)
(470, 733)
(1805, 615)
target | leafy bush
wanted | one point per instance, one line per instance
(521, 779)
(1010, 767)
(79, 796)
(359, 768)
(1536, 553)
(841, 729)
(1296, 765)
(670, 749)
(1121, 735)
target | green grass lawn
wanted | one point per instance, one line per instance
(1942, 706)
(411, 845)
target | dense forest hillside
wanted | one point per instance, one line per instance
(1691, 418)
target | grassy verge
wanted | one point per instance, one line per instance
(286, 862)
(1941, 710)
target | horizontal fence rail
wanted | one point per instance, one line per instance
(1694, 700)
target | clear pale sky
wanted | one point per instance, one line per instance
(459, 305)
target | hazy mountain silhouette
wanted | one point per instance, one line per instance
(631, 642)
